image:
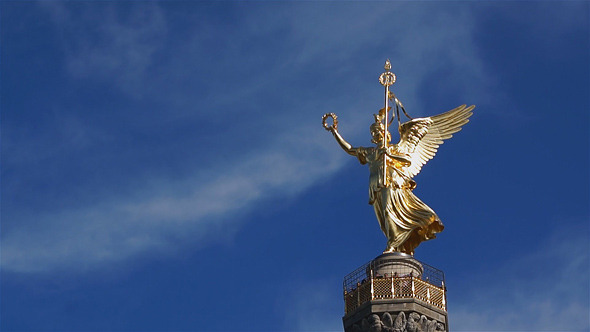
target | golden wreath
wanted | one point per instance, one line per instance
(387, 78)
(334, 125)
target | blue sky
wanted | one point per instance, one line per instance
(164, 167)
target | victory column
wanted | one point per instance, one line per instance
(395, 292)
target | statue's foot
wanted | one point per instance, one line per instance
(389, 250)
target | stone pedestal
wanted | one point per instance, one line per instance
(395, 293)
(397, 264)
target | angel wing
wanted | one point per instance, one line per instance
(421, 137)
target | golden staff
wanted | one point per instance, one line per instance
(386, 79)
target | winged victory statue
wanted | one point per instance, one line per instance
(404, 219)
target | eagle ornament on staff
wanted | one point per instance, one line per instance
(404, 219)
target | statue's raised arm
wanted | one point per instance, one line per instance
(404, 219)
(334, 130)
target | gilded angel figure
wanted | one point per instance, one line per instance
(404, 219)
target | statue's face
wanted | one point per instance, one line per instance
(377, 136)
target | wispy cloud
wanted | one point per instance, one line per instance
(161, 215)
(539, 289)
(544, 290)
(285, 162)
(106, 46)
(314, 305)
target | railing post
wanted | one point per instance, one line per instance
(372, 289)
(392, 287)
(444, 297)
(358, 294)
(346, 302)
(413, 289)
(428, 294)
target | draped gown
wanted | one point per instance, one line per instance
(404, 218)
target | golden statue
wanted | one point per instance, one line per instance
(404, 219)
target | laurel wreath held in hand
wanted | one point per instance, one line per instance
(334, 125)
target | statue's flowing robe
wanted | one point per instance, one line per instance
(404, 218)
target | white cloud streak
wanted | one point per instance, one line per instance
(159, 214)
(211, 204)
(121, 51)
(544, 290)
(314, 306)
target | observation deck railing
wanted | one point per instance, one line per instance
(364, 285)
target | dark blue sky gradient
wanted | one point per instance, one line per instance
(164, 167)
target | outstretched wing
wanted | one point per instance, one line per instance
(420, 138)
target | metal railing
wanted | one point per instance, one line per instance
(362, 285)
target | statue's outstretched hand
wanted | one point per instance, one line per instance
(334, 126)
